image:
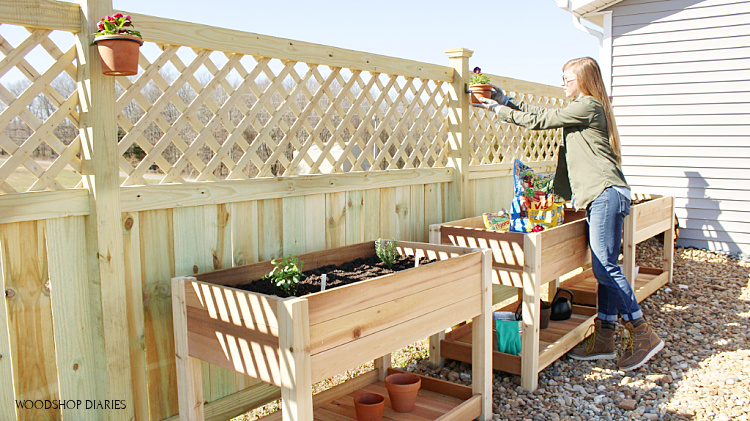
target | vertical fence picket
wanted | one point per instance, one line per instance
(78, 356)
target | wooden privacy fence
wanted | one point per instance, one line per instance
(227, 148)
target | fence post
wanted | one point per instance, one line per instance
(98, 131)
(458, 132)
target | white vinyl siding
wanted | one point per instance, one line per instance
(681, 95)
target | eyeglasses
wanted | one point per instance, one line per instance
(566, 81)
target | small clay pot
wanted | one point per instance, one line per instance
(118, 54)
(402, 390)
(481, 90)
(369, 406)
(544, 313)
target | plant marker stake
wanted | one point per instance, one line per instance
(323, 279)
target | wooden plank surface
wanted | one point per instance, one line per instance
(30, 309)
(33, 206)
(157, 259)
(46, 14)
(342, 358)
(80, 336)
(167, 196)
(7, 394)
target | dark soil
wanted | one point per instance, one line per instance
(347, 273)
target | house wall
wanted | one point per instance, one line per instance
(681, 89)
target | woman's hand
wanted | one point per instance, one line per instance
(499, 96)
(488, 104)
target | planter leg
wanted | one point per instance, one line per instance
(382, 364)
(188, 369)
(294, 360)
(435, 357)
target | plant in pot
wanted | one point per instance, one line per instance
(118, 45)
(479, 86)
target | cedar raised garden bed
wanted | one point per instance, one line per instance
(522, 263)
(297, 341)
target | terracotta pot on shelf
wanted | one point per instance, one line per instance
(403, 389)
(483, 90)
(118, 54)
(369, 407)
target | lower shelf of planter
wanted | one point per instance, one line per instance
(554, 341)
(436, 399)
(583, 285)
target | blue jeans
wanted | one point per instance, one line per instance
(605, 216)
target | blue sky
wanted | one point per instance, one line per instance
(523, 39)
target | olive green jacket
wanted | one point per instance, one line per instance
(586, 164)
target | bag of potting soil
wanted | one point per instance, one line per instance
(498, 221)
(533, 207)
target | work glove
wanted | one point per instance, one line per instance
(499, 96)
(487, 104)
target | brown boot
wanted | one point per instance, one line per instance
(639, 345)
(600, 345)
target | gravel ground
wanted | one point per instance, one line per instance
(703, 373)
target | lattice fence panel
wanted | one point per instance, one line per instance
(497, 142)
(204, 115)
(39, 143)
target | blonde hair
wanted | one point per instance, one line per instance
(590, 83)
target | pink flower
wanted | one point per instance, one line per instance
(118, 15)
(127, 17)
(100, 25)
(109, 18)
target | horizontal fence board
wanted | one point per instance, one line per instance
(47, 14)
(230, 191)
(174, 32)
(32, 206)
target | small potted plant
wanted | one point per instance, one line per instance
(118, 45)
(479, 86)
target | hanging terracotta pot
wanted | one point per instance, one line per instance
(403, 389)
(369, 407)
(118, 54)
(483, 90)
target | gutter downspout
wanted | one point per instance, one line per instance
(604, 37)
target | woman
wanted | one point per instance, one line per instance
(588, 172)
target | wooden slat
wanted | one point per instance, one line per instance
(48, 14)
(361, 322)
(188, 369)
(29, 306)
(136, 326)
(294, 359)
(230, 191)
(32, 206)
(7, 394)
(339, 359)
(77, 355)
(157, 260)
(233, 41)
(350, 298)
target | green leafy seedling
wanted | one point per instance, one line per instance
(286, 274)
(386, 251)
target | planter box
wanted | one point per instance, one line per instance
(522, 263)
(295, 342)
